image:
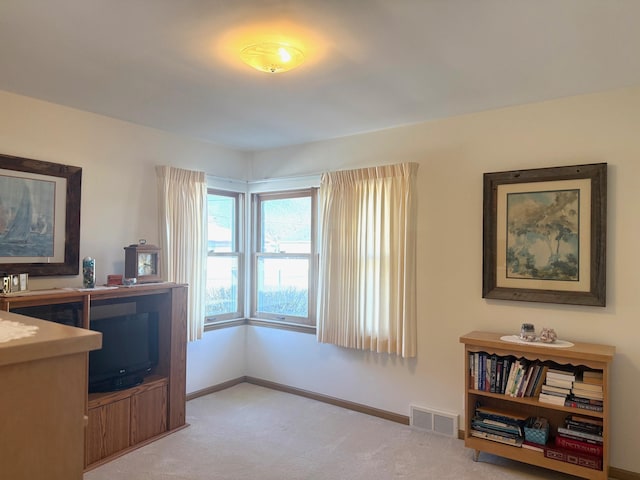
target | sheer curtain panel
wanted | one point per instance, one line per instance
(182, 196)
(367, 287)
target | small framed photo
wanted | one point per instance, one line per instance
(544, 235)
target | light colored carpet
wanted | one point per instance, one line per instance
(248, 432)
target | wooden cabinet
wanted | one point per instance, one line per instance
(107, 430)
(149, 412)
(581, 355)
(42, 401)
(123, 419)
(126, 419)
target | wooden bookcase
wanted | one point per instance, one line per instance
(126, 419)
(591, 356)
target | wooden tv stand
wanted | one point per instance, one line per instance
(121, 421)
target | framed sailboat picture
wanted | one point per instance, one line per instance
(39, 217)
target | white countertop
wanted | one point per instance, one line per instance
(49, 340)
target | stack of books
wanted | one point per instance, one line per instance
(578, 442)
(587, 392)
(498, 425)
(557, 386)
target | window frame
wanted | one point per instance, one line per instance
(264, 318)
(238, 252)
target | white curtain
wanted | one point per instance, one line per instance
(367, 288)
(182, 196)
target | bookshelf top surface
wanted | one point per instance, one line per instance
(579, 351)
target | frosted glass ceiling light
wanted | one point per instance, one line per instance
(272, 57)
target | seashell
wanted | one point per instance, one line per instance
(548, 335)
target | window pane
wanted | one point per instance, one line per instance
(283, 286)
(221, 212)
(286, 225)
(222, 285)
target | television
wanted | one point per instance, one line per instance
(129, 351)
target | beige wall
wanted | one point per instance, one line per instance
(453, 154)
(119, 207)
(119, 197)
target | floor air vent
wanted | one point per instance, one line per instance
(436, 421)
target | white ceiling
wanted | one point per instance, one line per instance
(376, 63)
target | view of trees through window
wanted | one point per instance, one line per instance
(222, 255)
(284, 256)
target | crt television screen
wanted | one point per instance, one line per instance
(129, 349)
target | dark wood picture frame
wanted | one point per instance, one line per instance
(73, 177)
(497, 226)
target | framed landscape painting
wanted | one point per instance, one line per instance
(544, 235)
(39, 217)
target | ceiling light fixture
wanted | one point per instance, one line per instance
(272, 57)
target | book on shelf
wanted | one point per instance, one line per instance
(492, 373)
(506, 430)
(484, 372)
(577, 392)
(574, 457)
(490, 423)
(581, 428)
(487, 373)
(575, 435)
(524, 380)
(536, 447)
(559, 382)
(499, 369)
(519, 368)
(592, 387)
(582, 439)
(527, 382)
(578, 445)
(588, 420)
(500, 415)
(558, 390)
(551, 398)
(513, 366)
(590, 401)
(521, 378)
(574, 403)
(595, 377)
(507, 362)
(580, 435)
(516, 442)
(533, 378)
(561, 374)
(575, 423)
(542, 375)
(471, 378)
(476, 366)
